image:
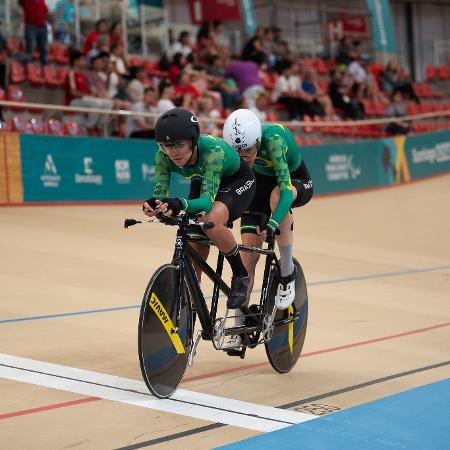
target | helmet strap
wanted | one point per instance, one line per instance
(192, 154)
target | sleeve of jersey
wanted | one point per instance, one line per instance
(277, 149)
(162, 176)
(211, 180)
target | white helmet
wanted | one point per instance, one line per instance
(242, 129)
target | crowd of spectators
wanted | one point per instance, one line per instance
(202, 74)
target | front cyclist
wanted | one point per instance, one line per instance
(282, 183)
(222, 186)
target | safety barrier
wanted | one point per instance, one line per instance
(38, 168)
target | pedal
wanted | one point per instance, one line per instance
(240, 353)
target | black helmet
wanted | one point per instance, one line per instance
(177, 124)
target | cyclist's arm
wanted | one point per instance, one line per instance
(162, 176)
(277, 149)
(211, 180)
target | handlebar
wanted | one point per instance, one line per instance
(180, 221)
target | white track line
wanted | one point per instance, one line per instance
(133, 392)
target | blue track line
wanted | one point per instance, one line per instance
(313, 283)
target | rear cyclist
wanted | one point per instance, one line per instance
(222, 186)
(282, 182)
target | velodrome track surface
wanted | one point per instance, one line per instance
(71, 281)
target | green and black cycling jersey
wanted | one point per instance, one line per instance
(216, 160)
(278, 156)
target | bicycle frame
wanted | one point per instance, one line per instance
(183, 256)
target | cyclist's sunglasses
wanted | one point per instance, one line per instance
(172, 147)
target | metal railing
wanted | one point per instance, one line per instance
(291, 124)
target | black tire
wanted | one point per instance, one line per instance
(285, 346)
(163, 354)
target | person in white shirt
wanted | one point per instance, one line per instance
(141, 127)
(166, 93)
(357, 75)
(288, 92)
(118, 58)
(183, 45)
(260, 107)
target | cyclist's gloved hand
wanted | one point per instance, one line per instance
(173, 204)
(271, 227)
(150, 202)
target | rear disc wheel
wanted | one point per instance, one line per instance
(285, 346)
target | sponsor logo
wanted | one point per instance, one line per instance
(194, 119)
(164, 318)
(148, 172)
(50, 177)
(340, 167)
(123, 173)
(88, 177)
(438, 154)
(178, 242)
(159, 309)
(248, 184)
(308, 185)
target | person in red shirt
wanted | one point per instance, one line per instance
(76, 85)
(116, 34)
(78, 94)
(101, 28)
(35, 17)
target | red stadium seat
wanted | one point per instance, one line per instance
(17, 73)
(5, 126)
(152, 68)
(412, 108)
(306, 128)
(369, 108)
(55, 127)
(35, 75)
(54, 76)
(37, 126)
(72, 128)
(2, 94)
(426, 90)
(432, 73)
(321, 67)
(59, 53)
(15, 94)
(424, 107)
(443, 72)
(379, 108)
(135, 61)
(15, 45)
(323, 84)
(20, 125)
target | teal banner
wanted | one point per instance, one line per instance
(340, 168)
(428, 154)
(89, 169)
(59, 169)
(383, 34)
(248, 11)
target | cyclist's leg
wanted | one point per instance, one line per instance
(254, 220)
(303, 191)
(195, 231)
(250, 226)
(285, 238)
(233, 198)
